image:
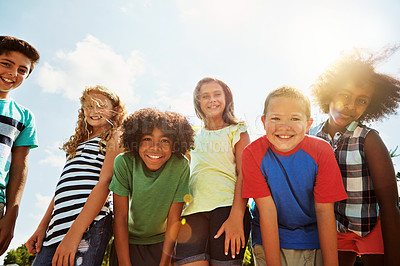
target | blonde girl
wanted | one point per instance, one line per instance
(215, 229)
(77, 225)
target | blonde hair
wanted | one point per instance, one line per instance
(289, 92)
(228, 114)
(83, 130)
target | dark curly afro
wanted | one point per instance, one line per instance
(359, 70)
(142, 122)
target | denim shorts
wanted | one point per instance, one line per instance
(200, 244)
(91, 249)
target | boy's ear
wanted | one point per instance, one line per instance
(263, 121)
(309, 123)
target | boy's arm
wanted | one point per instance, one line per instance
(173, 225)
(66, 250)
(269, 230)
(326, 223)
(384, 181)
(34, 243)
(121, 231)
(14, 190)
(233, 226)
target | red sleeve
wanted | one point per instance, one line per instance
(329, 184)
(254, 183)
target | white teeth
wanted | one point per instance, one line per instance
(284, 137)
(154, 156)
(7, 80)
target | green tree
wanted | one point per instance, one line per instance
(19, 256)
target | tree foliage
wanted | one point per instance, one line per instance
(19, 256)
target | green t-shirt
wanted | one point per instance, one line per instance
(150, 194)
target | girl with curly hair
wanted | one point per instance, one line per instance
(77, 225)
(217, 216)
(150, 182)
(351, 92)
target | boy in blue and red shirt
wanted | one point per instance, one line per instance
(294, 180)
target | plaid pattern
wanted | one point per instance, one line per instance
(358, 213)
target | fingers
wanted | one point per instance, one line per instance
(220, 231)
(71, 260)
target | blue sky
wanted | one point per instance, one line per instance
(153, 52)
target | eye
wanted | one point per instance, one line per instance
(274, 118)
(363, 101)
(5, 64)
(205, 97)
(165, 141)
(146, 139)
(295, 119)
(22, 71)
(344, 96)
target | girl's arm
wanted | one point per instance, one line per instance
(269, 230)
(233, 226)
(121, 231)
(67, 248)
(383, 178)
(326, 223)
(173, 225)
(34, 243)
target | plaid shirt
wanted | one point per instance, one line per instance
(358, 213)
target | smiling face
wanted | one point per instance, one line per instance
(98, 111)
(14, 69)
(348, 105)
(212, 100)
(285, 123)
(155, 149)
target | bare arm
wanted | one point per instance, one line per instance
(173, 225)
(233, 226)
(269, 230)
(327, 233)
(121, 231)
(34, 243)
(384, 181)
(15, 187)
(66, 250)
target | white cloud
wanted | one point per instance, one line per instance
(54, 156)
(182, 103)
(91, 63)
(42, 202)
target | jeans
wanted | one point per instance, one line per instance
(91, 249)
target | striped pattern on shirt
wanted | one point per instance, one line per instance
(78, 178)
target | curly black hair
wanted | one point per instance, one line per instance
(358, 68)
(142, 122)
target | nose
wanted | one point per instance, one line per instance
(283, 124)
(156, 144)
(13, 72)
(350, 103)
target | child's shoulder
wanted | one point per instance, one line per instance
(16, 110)
(316, 145)
(259, 145)
(176, 161)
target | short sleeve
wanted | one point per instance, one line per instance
(329, 184)
(234, 135)
(120, 184)
(183, 186)
(254, 182)
(28, 136)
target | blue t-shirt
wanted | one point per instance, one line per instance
(296, 180)
(17, 128)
